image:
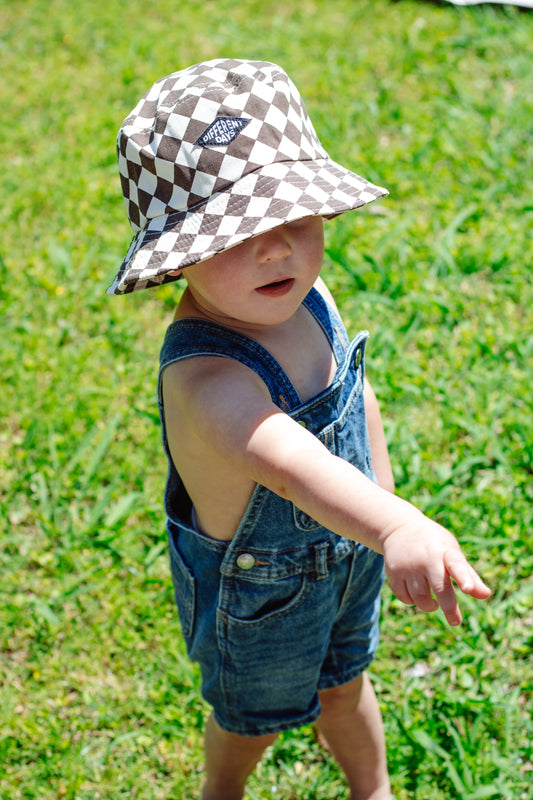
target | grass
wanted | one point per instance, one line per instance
(97, 698)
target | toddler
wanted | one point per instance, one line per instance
(282, 518)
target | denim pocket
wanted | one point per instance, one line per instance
(184, 588)
(255, 603)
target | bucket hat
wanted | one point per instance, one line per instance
(215, 154)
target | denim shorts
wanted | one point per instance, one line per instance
(270, 630)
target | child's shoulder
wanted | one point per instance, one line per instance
(325, 293)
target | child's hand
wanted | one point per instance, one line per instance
(421, 558)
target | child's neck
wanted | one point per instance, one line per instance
(189, 308)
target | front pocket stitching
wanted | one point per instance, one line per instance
(295, 603)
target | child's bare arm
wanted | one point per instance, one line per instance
(378, 445)
(228, 407)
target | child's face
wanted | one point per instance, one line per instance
(262, 281)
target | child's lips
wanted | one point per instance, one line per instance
(276, 288)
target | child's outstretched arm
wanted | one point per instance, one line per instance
(405, 585)
(228, 407)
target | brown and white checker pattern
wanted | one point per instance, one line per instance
(215, 154)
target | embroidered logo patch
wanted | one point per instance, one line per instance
(222, 131)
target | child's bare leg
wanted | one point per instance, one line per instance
(351, 724)
(229, 760)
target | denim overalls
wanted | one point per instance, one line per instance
(286, 607)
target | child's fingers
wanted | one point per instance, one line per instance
(465, 575)
(413, 591)
(440, 589)
(427, 582)
(447, 599)
(419, 590)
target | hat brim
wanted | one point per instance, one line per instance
(272, 195)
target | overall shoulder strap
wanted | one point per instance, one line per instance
(329, 320)
(188, 338)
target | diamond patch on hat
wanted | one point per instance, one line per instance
(222, 131)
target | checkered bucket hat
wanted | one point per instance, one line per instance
(215, 154)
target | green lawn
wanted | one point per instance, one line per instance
(431, 100)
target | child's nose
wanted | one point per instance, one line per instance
(273, 246)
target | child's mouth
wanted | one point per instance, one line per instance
(277, 288)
